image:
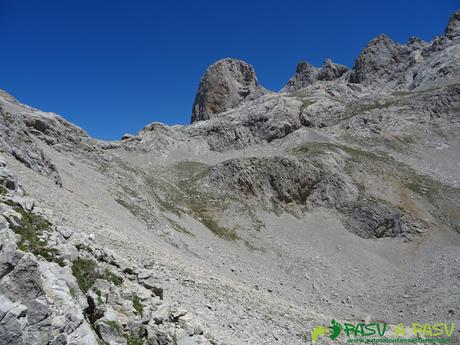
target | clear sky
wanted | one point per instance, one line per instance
(114, 66)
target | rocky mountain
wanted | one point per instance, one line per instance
(307, 74)
(271, 213)
(226, 84)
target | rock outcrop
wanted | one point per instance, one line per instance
(312, 183)
(307, 74)
(226, 84)
(453, 27)
(17, 141)
(331, 71)
(378, 61)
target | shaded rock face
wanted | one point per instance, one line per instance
(284, 180)
(224, 86)
(377, 61)
(292, 181)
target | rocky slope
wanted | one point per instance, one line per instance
(336, 198)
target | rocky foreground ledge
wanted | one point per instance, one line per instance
(58, 287)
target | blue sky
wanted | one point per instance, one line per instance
(114, 66)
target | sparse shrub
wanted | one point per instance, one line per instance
(112, 277)
(132, 339)
(86, 272)
(211, 224)
(32, 230)
(133, 208)
(176, 226)
(113, 325)
(137, 304)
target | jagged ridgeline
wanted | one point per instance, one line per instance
(337, 197)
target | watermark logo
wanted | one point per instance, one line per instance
(333, 331)
(381, 332)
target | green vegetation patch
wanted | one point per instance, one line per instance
(3, 190)
(86, 272)
(191, 170)
(114, 326)
(137, 304)
(32, 230)
(185, 196)
(111, 277)
(213, 225)
(176, 226)
(430, 189)
(131, 207)
(131, 339)
(443, 197)
(165, 194)
(317, 148)
(356, 108)
(253, 248)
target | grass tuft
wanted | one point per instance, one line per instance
(32, 230)
(86, 272)
(185, 196)
(112, 277)
(137, 304)
(133, 208)
(176, 226)
(3, 190)
(211, 224)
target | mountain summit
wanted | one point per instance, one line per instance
(225, 85)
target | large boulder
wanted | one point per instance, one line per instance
(226, 84)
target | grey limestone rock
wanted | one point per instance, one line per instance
(305, 74)
(453, 27)
(331, 71)
(17, 141)
(378, 61)
(226, 84)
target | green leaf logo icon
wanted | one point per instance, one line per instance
(335, 328)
